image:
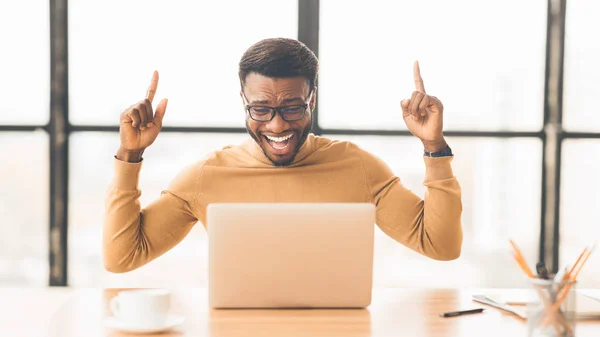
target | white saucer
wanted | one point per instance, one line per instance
(171, 322)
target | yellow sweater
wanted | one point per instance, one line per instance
(324, 170)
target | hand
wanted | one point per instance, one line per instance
(423, 115)
(139, 125)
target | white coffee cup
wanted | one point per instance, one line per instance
(142, 308)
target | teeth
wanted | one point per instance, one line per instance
(280, 139)
(280, 148)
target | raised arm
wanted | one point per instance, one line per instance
(133, 236)
(431, 226)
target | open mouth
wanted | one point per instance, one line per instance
(280, 143)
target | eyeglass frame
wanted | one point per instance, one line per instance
(275, 110)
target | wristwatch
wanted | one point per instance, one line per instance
(445, 152)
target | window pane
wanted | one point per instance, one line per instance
(497, 177)
(24, 209)
(582, 73)
(91, 170)
(115, 45)
(489, 74)
(25, 70)
(579, 207)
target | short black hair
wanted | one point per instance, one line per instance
(278, 58)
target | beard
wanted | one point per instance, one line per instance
(302, 135)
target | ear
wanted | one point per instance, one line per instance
(313, 100)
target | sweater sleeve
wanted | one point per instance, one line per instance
(431, 226)
(133, 236)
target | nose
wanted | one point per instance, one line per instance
(277, 124)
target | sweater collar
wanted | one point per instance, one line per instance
(305, 150)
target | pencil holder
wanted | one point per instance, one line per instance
(552, 312)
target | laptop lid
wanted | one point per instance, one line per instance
(290, 255)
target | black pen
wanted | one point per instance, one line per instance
(460, 313)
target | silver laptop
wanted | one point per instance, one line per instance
(290, 255)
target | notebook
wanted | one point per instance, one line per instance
(587, 301)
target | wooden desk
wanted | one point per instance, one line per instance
(393, 312)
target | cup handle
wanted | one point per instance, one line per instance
(114, 305)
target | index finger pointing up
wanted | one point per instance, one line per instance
(418, 80)
(152, 88)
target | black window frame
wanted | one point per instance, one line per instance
(59, 129)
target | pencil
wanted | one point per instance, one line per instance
(518, 256)
(572, 279)
(583, 257)
(568, 275)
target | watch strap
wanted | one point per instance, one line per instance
(445, 152)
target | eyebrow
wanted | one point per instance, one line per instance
(286, 100)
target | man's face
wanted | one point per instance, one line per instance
(279, 139)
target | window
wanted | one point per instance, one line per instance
(25, 84)
(91, 171)
(488, 69)
(468, 61)
(579, 204)
(582, 74)
(113, 53)
(24, 172)
(24, 209)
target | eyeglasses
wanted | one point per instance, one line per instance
(289, 113)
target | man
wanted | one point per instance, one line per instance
(282, 162)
